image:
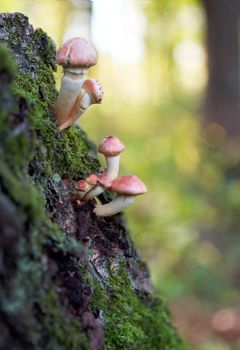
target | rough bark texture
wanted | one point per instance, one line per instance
(68, 280)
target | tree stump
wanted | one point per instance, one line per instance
(68, 279)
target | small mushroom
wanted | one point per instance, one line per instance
(92, 179)
(82, 186)
(111, 147)
(103, 182)
(127, 187)
(76, 56)
(86, 185)
(90, 93)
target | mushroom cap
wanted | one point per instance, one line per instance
(82, 185)
(94, 88)
(128, 185)
(77, 52)
(111, 146)
(104, 180)
(92, 179)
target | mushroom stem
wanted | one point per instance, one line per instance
(90, 93)
(71, 84)
(112, 166)
(94, 192)
(111, 171)
(103, 182)
(82, 102)
(114, 207)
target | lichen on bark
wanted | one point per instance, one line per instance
(68, 280)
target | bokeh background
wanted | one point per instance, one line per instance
(170, 72)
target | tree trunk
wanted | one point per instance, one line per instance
(68, 279)
(223, 93)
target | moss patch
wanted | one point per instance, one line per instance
(64, 331)
(132, 321)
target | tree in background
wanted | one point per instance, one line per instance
(223, 91)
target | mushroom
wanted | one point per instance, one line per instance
(92, 179)
(90, 93)
(111, 147)
(82, 186)
(127, 187)
(103, 182)
(76, 56)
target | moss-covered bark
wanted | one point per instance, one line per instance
(68, 280)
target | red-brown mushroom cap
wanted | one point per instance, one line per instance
(111, 146)
(93, 87)
(81, 185)
(92, 179)
(128, 185)
(104, 180)
(77, 52)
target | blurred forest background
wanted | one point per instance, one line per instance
(170, 72)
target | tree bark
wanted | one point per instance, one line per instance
(223, 93)
(68, 279)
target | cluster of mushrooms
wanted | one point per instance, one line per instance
(76, 94)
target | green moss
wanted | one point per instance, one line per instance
(63, 330)
(7, 66)
(67, 153)
(132, 322)
(23, 192)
